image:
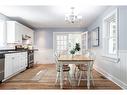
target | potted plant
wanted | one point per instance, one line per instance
(76, 49)
(72, 52)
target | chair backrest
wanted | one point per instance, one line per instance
(56, 60)
(93, 56)
(56, 54)
(87, 53)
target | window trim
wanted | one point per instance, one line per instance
(105, 35)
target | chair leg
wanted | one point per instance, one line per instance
(91, 76)
(69, 77)
(75, 72)
(57, 77)
(80, 76)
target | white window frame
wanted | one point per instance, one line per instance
(106, 35)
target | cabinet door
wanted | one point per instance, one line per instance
(8, 65)
(10, 32)
(29, 32)
(14, 34)
(24, 59)
(16, 62)
(18, 32)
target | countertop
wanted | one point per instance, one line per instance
(11, 51)
(7, 51)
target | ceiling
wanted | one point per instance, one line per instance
(51, 16)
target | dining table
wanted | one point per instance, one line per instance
(77, 59)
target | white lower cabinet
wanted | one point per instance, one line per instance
(15, 62)
(23, 60)
(8, 65)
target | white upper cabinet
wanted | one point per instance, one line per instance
(28, 35)
(16, 33)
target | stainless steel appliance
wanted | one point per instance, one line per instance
(2, 59)
(30, 58)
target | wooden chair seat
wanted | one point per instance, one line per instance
(65, 69)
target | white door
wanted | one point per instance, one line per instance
(60, 43)
(84, 44)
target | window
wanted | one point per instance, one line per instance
(2, 28)
(110, 34)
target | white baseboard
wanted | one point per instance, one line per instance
(112, 78)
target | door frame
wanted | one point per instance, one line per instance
(55, 33)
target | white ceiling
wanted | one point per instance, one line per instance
(51, 16)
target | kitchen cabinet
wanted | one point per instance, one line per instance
(29, 33)
(15, 62)
(9, 59)
(22, 60)
(14, 32)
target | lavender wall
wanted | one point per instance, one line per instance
(48, 32)
(44, 42)
(114, 70)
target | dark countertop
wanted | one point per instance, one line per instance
(11, 51)
(7, 51)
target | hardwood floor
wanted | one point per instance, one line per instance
(43, 77)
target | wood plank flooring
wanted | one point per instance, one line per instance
(42, 76)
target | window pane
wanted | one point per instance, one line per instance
(58, 47)
(112, 29)
(112, 46)
(61, 42)
(65, 37)
(58, 38)
(65, 47)
(58, 42)
(61, 37)
(62, 47)
(65, 42)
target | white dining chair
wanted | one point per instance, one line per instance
(84, 68)
(76, 70)
(66, 70)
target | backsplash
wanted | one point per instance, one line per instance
(8, 46)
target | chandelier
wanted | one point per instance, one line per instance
(72, 17)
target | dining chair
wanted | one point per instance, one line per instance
(84, 68)
(76, 70)
(66, 70)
